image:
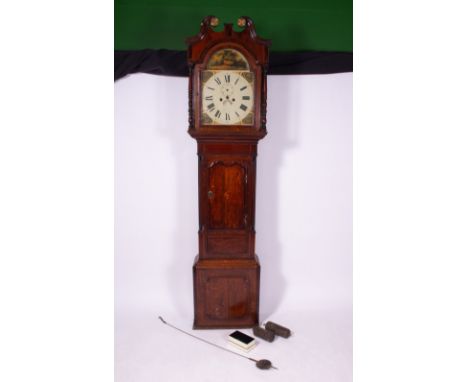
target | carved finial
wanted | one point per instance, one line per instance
(214, 22)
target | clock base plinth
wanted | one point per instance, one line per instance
(226, 293)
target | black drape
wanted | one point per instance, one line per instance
(174, 62)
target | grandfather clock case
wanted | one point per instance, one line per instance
(227, 117)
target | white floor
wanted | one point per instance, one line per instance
(320, 349)
(303, 224)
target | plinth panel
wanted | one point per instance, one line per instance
(226, 297)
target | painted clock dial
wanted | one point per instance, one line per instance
(227, 97)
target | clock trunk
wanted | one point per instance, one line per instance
(226, 272)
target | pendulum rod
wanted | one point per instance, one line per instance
(261, 364)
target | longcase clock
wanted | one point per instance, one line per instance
(227, 117)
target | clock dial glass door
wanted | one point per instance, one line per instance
(227, 97)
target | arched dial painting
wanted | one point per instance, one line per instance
(227, 90)
(227, 117)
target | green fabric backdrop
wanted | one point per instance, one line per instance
(323, 25)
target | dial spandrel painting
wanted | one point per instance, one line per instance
(227, 90)
(227, 59)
